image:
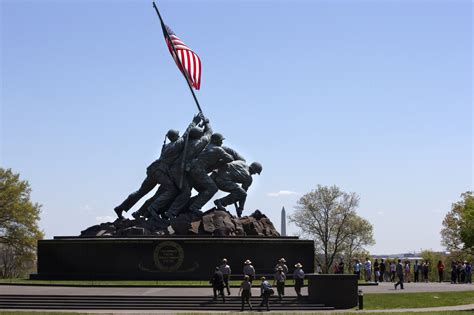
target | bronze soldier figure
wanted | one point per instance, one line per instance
(198, 140)
(209, 159)
(228, 179)
(157, 171)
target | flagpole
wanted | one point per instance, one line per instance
(177, 58)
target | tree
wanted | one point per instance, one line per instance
(19, 229)
(328, 215)
(361, 235)
(458, 225)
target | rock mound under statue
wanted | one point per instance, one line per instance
(212, 222)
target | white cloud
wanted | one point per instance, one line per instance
(104, 218)
(86, 208)
(282, 193)
(380, 212)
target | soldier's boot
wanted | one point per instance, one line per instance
(219, 204)
(170, 214)
(119, 211)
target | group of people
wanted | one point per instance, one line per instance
(196, 160)
(461, 272)
(386, 270)
(221, 277)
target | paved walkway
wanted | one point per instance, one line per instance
(387, 287)
(163, 291)
(384, 287)
(146, 291)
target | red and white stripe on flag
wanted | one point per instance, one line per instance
(190, 60)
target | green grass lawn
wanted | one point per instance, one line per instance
(416, 300)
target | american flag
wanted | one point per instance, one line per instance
(187, 58)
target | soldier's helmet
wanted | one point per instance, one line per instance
(217, 137)
(256, 167)
(195, 133)
(172, 134)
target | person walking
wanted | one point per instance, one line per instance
(376, 270)
(218, 284)
(367, 269)
(416, 271)
(383, 268)
(265, 291)
(249, 270)
(340, 267)
(357, 268)
(319, 269)
(298, 276)
(279, 281)
(453, 272)
(392, 271)
(468, 272)
(425, 269)
(226, 271)
(440, 268)
(399, 271)
(245, 292)
(407, 271)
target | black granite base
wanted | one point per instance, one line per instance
(338, 291)
(153, 258)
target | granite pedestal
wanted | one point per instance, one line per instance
(335, 290)
(165, 257)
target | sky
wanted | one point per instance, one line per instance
(372, 96)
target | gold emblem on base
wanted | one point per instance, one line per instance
(168, 256)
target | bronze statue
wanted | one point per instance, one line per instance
(228, 179)
(209, 159)
(157, 172)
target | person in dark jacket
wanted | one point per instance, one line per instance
(245, 292)
(218, 284)
(399, 271)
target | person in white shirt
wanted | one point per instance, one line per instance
(226, 271)
(249, 270)
(368, 269)
(298, 276)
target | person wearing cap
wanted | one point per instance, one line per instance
(282, 263)
(228, 179)
(226, 271)
(249, 270)
(218, 284)
(157, 172)
(279, 281)
(298, 276)
(211, 158)
(245, 291)
(265, 291)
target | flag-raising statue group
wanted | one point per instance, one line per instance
(198, 160)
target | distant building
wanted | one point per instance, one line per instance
(283, 222)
